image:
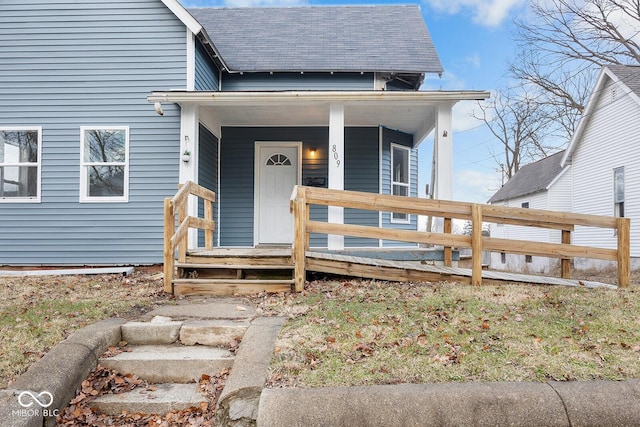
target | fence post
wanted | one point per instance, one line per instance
(299, 239)
(476, 244)
(623, 226)
(448, 252)
(184, 242)
(208, 233)
(169, 228)
(565, 263)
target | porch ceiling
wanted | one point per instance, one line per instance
(411, 112)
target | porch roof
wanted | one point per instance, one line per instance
(411, 112)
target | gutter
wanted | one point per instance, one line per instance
(255, 98)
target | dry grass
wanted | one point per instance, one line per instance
(38, 312)
(352, 332)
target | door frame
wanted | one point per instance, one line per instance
(256, 178)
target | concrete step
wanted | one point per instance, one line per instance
(157, 399)
(160, 330)
(216, 333)
(170, 363)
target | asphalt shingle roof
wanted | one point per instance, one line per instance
(629, 74)
(530, 178)
(322, 38)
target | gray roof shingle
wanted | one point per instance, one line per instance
(322, 38)
(629, 74)
(530, 178)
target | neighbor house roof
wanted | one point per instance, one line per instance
(391, 39)
(530, 178)
(627, 75)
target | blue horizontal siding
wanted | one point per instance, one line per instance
(66, 64)
(297, 81)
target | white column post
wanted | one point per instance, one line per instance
(189, 122)
(336, 169)
(443, 146)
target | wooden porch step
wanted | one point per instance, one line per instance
(237, 266)
(253, 261)
(225, 287)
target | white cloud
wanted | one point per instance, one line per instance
(489, 13)
(462, 118)
(473, 60)
(475, 186)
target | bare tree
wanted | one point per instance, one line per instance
(521, 124)
(564, 43)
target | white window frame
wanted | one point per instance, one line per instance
(84, 197)
(38, 164)
(394, 219)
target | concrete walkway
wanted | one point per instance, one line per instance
(244, 399)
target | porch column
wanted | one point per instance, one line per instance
(443, 146)
(189, 121)
(336, 169)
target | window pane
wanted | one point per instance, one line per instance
(400, 190)
(400, 165)
(618, 185)
(19, 146)
(19, 181)
(104, 146)
(106, 181)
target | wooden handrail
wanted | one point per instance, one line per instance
(176, 211)
(302, 197)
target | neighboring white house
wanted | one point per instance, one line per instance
(599, 173)
(544, 184)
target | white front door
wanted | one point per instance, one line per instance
(277, 172)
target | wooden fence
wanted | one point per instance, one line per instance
(176, 212)
(302, 197)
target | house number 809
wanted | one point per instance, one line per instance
(335, 155)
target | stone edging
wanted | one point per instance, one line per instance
(60, 372)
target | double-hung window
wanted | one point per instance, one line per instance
(20, 159)
(618, 192)
(104, 164)
(400, 182)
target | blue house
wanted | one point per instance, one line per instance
(108, 105)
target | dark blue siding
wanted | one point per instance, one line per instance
(237, 176)
(206, 71)
(208, 175)
(297, 81)
(361, 161)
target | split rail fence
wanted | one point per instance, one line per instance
(303, 197)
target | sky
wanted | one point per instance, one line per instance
(474, 39)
